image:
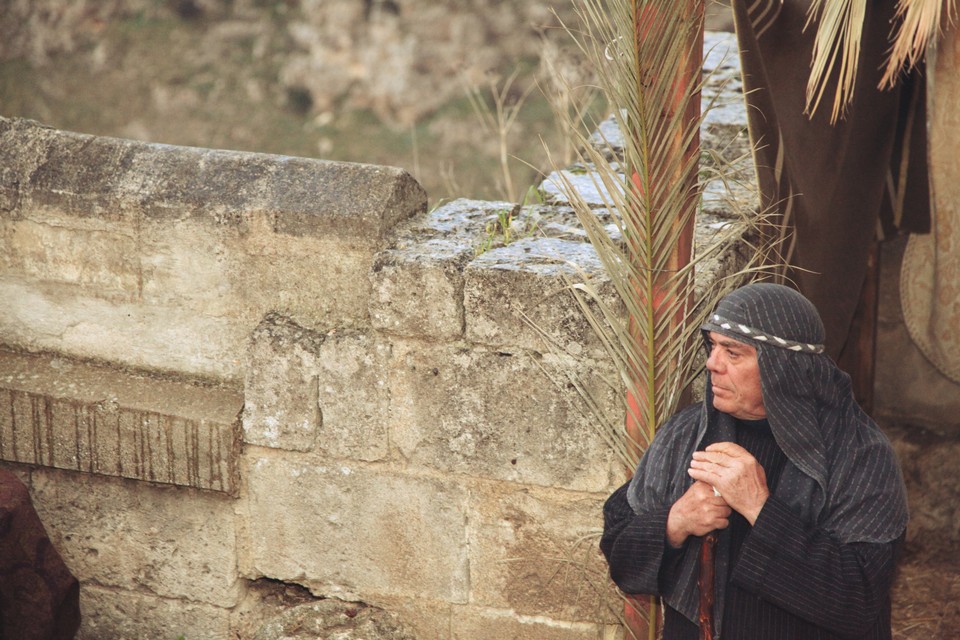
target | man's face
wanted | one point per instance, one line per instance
(735, 377)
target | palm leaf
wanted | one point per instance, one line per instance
(652, 194)
(919, 23)
(836, 51)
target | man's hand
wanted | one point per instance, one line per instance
(735, 474)
(698, 512)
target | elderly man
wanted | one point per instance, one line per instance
(802, 485)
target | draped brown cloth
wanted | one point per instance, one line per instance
(39, 597)
(833, 186)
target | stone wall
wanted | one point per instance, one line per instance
(229, 374)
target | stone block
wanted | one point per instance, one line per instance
(167, 339)
(536, 552)
(170, 542)
(247, 270)
(417, 296)
(128, 615)
(103, 263)
(428, 619)
(107, 178)
(501, 415)
(345, 528)
(306, 390)
(316, 282)
(281, 408)
(354, 396)
(77, 416)
(473, 623)
(513, 293)
(418, 283)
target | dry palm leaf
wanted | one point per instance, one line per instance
(836, 49)
(919, 24)
(837, 42)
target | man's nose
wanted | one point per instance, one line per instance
(713, 361)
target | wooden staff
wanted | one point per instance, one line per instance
(706, 583)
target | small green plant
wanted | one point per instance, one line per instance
(498, 231)
(507, 227)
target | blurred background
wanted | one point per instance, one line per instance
(462, 94)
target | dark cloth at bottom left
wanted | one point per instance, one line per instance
(39, 597)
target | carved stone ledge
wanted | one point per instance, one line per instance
(77, 416)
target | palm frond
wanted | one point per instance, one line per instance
(919, 22)
(837, 44)
(640, 49)
(836, 51)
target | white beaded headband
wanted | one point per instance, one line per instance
(763, 337)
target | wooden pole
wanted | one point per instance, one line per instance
(705, 582)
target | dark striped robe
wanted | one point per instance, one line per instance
(819, 560)
(787, 580)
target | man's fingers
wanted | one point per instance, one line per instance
(727, 448)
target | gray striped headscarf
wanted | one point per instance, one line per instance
(841, 472)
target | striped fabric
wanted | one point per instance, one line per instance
(840, 478)
(789, 581)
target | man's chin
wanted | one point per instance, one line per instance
(720, 405)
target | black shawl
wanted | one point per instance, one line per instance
(841, 475)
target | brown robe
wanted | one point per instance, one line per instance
(833, 186)
(39, 597)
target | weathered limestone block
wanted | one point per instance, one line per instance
(170, 542)
(418, 282)
(354, 396)
(243, 270)
(166, 257)
(307, 390)
(333, 618)
(130, 615)
(474, 623)
(90, 176)
(418, 297)
(281, 406)
(535, 552)
(427, 619)
(76, 416)
(102, 262)
(500, 415)
(513, 293)
(54, 318)
(343, 528)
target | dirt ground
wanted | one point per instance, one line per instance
(926, 594)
